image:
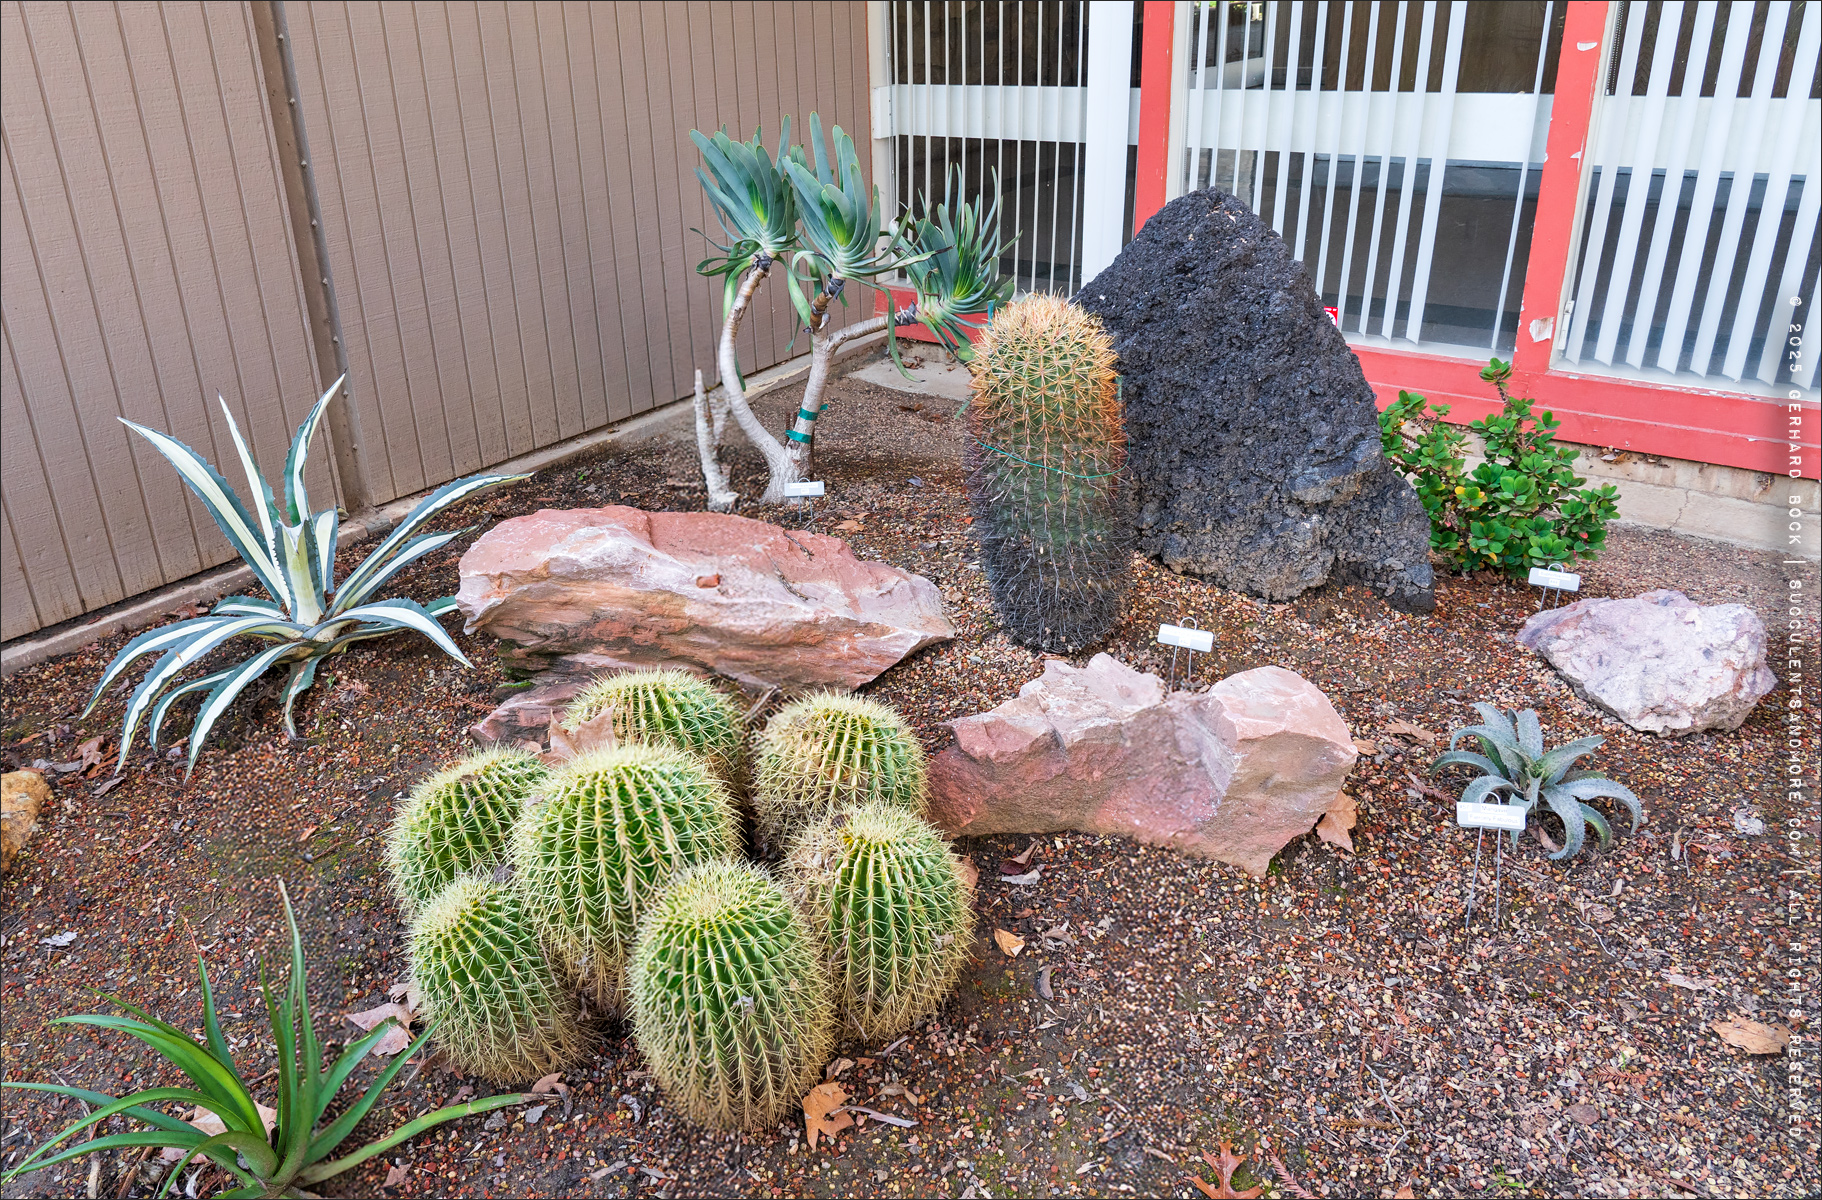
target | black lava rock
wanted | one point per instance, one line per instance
(1251, 434)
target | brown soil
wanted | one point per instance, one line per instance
(1334, 1014)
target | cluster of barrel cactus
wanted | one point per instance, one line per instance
(613, 882)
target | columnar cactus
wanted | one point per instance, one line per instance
(483, 980)
(1043, 464)
(894, 909)
(457, 820)
(832, 751)
(612, 828)
(730, 1002)
(667, 708)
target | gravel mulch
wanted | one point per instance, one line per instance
(1333, 1020)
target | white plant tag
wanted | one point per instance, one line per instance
(1199, 640)
(807, 487)
(1490, 816)
(1562, 581)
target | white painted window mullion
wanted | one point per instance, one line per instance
(1438, 154)
(1638, 193)
(1689, 274)
(1676, 164)
(1613, 134)
(1713, 299)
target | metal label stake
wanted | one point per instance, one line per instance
(1501, 818)
(1183, 638)
(1553, 581)
(803, 492)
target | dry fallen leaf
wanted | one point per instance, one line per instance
(89, 753)
(970, 872)
(1406, 729)
(398, 1037)
(1009, 943)
(1335, 823)
(1684, 981)
(1404, 1193)
(1583, 1114)
(1225, 1166)
(395, 1175)
(849, 527)
(211, 1124)
(838, 1068)
(825, 1099)
(597, 733)
(1364, 747)
(1754, 1037)
(405, 992)
(305, 836)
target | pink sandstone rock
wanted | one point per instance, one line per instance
(582, 590)
(1231, 773)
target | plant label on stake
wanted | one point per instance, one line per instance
(804, 491)
(1185, 638)
(1554, 581)
(1501, 818)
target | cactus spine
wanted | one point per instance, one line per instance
(730, 1002)
(612, 828)
(458, 819)
(894, 909)
(666, 708)
(831, 751)
(1043, 467)
(483, 980)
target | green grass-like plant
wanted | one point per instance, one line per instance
(730, 997)
(458, 820)
(296, 1153)
(483, 978)
(894, 910)
(614, 826)
(291, 551)
(831, 751)
(665, 708)
(1516, 769)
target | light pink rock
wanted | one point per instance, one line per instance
(1659, 662)
(581, 590)
(1231, 773)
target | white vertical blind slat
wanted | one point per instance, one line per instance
(1712, 300)
(1385, 177)
(1437, 152)
(1301, 245)
(1363, 119)
(1638, 190)
(1288, 95)
(1524, 173)
(1333, 145)
(1790, 285)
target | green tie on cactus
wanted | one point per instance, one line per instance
(730, 999)
(612, 828)
(831, 751)
(483, 980)
(894, 909)
(666, 708)
(1044, 474)
(457, 820)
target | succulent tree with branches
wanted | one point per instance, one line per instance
(814, 213)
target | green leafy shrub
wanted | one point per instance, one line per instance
(1514, 765)
(457, 820)
(894, 909)
(482, 977)
(665, 708)
(295, 1153)
(291, 551)
(730, 997)
(1523, 507)
(613, 827)
(831, 751)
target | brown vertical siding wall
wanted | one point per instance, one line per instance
(507, 192)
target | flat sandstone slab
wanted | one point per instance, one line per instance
(577, 591)
(1232, 773)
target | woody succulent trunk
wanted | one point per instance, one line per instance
(814, 213)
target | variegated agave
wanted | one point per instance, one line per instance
(1516, 767)
(292, 553)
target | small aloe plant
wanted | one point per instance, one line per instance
(291, 551)
(279, 1161)
(1515, 766)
